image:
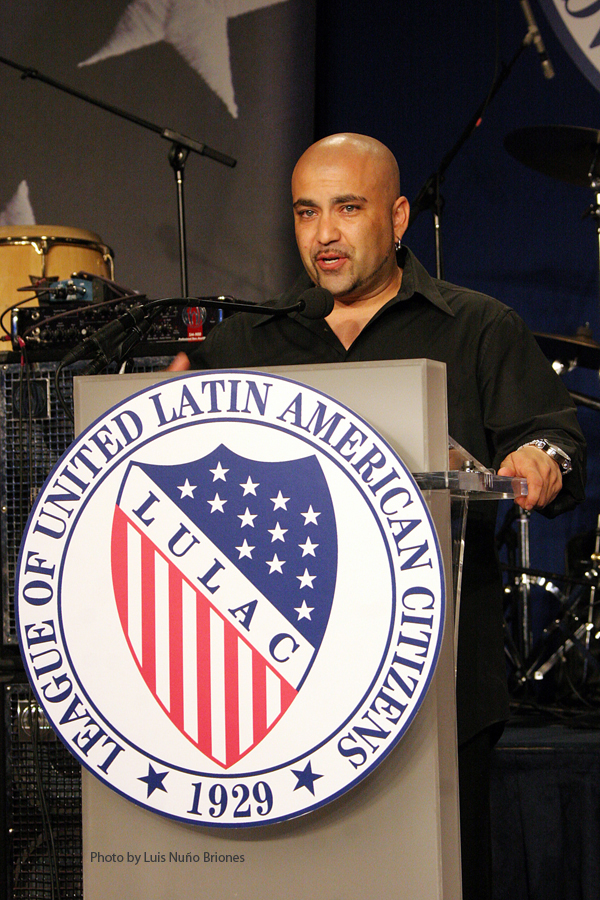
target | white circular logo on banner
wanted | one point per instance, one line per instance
(577, 26)
(230, 598)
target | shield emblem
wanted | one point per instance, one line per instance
(224, 573)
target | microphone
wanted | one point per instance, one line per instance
(317, 303)
(116, 339)
(533, 35)
(107, 338)
(106, 343)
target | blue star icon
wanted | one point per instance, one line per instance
(154, 780)
(306, 778)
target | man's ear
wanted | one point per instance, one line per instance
(400, 214)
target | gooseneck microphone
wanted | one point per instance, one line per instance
(318, 303)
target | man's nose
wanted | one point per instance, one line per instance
(327, 230)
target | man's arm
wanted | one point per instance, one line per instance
(525, 401)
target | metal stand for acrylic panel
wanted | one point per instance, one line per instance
(466, 480)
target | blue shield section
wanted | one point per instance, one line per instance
(274, 521)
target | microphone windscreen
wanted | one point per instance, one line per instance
(318, 303)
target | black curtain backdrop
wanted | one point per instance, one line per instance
(545, 823)
(412, 73)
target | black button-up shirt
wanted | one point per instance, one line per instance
(502, 392)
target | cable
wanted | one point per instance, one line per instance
(34, 723)
(495, 76)
(10, 309)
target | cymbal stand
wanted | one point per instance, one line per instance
(593, 211)
(590, 612)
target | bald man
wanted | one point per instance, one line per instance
(349, 216)
(505, 404)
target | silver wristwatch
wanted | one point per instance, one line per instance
(553, 452)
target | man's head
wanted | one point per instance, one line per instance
(348, 215)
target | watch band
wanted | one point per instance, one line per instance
(554, 452)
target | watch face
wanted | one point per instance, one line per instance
(557, 455)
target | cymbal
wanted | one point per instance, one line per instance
(565, 152)
(583, 351)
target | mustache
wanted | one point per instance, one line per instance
(331, 253)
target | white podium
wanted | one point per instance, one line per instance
(394, 835)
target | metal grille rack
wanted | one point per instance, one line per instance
(30, 445)
(43, 805)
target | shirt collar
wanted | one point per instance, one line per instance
(415, 280)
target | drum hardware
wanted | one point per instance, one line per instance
(518, 637)
(572, 634)
(585, 400)
(565, 152)
(573, 630)
(568, 352)
(595, 557)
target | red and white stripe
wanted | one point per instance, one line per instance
(215, 687)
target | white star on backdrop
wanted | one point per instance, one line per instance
(279, 502)
(310, 516)
(247, 518)
(197, 29)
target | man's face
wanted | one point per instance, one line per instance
(344, 221)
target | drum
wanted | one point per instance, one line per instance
(47, 251)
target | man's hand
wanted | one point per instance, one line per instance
(544, 478)
(180, 364)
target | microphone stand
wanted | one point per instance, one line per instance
(429, 197)
(181, 145)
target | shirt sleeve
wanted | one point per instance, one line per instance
(523, 399)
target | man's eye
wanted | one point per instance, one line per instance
(350, 207)
(306, 213)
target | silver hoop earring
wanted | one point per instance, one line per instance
(398, 244)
